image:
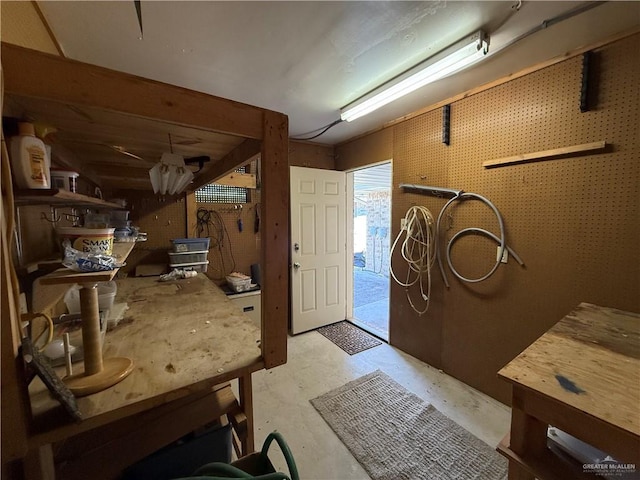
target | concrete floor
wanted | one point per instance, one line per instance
(315, 365)
(371, 302)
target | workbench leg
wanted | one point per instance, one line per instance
(246, 403)
(516, 472)
(528, 437)
(38, 464)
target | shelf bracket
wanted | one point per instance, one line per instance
(435, 191)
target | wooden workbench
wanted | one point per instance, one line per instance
(583, 377)
(185, 339)
(145, 110)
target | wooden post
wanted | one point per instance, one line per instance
(528, 437)
(98, 373)
(91, 329)
(246, 404)
(15, 401)
(275, 239)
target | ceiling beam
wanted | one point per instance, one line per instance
(241, 155)
(40, 75)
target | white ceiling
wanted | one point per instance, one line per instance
(307, 59)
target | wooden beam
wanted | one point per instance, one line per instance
(621, 444)
(238, 179)
(120, 444)
(38, 464)
(65, 158)
(83, 84)
(14, 398)
(46, 26)
(247, 437)
(191, 207)
(237, 157)
(14, 392)
(573, 150)
(275, 239)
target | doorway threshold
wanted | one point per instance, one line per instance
(376, 331)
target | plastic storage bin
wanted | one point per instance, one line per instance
(188, 257)
(65, 179)
(190, 244)
(106, 295)
(182, 457)
(196, 267)
(239, 284)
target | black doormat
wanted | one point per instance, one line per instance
(348, 337)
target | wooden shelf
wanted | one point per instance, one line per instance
(60, 197)
(65, 275)
(573, 150)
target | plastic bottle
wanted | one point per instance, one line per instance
(29, 159)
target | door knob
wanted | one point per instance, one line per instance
(296, 265)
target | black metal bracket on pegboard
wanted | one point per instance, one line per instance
(428, 190)
(587, 65)
(446, 124)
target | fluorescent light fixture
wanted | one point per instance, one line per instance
(170, 175)
(448, 61)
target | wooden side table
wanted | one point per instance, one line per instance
(583, 377)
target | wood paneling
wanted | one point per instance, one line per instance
(573, 221)
(311, 155)
(373, 148)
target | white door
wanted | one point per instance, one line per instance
(318, 241)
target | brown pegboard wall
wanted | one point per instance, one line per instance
(37, 234)
(574, 221)
(162, 217)
(230, 249)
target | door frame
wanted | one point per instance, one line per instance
(349, 232)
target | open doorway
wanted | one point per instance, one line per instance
(370, 196)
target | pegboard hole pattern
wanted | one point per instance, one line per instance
(574, 221)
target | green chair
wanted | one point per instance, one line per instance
(256, 466)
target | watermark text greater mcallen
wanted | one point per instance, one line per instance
(610, 467)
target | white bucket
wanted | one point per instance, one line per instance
(96, 240)
(106, 295)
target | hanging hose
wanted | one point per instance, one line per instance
(418, 250)
(501, 240)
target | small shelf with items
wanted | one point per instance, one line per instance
(99, 373)
(60, 197)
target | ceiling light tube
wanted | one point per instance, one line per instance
(170, 175)
(448, 61)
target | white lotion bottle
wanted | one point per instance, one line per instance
(29, 159)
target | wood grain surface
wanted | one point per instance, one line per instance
(184, 336)
(589, 361)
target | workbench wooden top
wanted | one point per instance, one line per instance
(183, 336)
(589, 360)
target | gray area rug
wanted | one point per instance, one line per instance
(348, 337)
(396, 435)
